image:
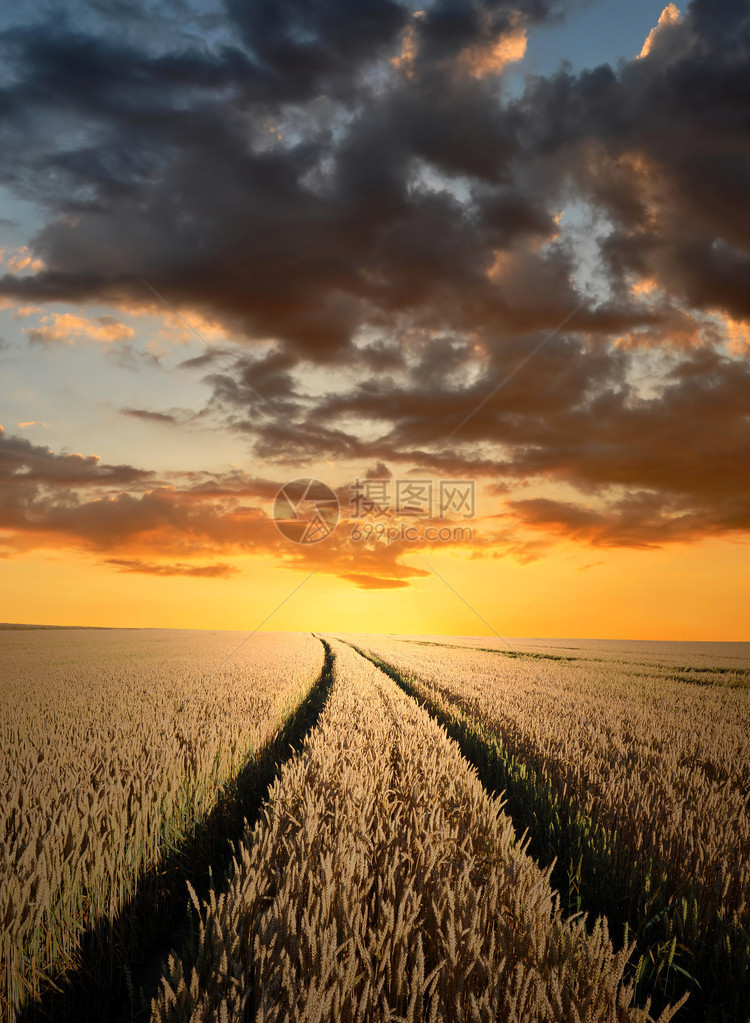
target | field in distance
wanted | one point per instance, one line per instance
(723, 658)
(374, 871)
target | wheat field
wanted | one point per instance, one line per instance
(557, 832)
(633, 773)
(384, 884)
(112, 749)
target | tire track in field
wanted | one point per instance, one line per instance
(550, 841)
(383, 883)
(123, 994)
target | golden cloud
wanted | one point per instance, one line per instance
(20, 259)
(668, 16)
(737, 333)
(493, 57)
(66, 328)
(405, 60)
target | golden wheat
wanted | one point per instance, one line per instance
(655, 768)
(383, 883)
(113, 746)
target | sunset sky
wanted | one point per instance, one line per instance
(388, 241)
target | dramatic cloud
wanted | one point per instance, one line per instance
(339, 227)
(133, 521)
(352, 195)
(668, 16)
(22, 462)
(661, 148)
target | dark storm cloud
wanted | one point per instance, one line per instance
(300, 49)
(199, 515)
(48, 497)
(662, 147)
(180, 176)
(641, 521)
(415, 412)
(162, 521)
(268, 375)
(691, 440)
(347, 181)
(22, 462)
(666, 466)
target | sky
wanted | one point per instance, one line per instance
(479, 268)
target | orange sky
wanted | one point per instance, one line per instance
(700, 591)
